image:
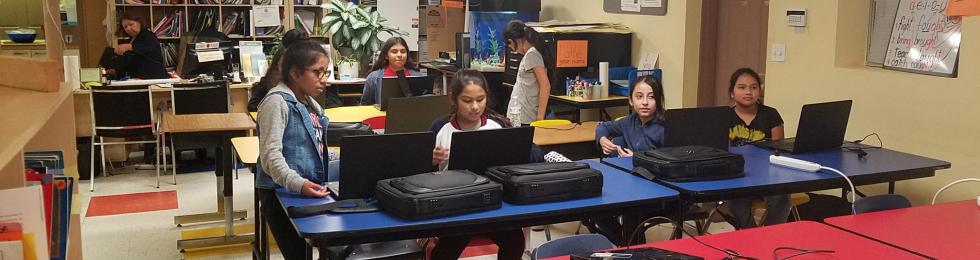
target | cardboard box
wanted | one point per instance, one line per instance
(441, 25)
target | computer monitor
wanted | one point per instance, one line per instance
(415, 114)
(191, 67)
(394, 87)
(706, 126)
(367, 159)
(480, 149)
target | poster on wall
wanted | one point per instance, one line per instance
(923, 39)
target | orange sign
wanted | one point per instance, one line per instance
(572, 53)
(963, 8)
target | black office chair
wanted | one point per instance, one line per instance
(196, 98)
(121, 112)
(879, 203)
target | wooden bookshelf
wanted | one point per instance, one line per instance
(36, 115)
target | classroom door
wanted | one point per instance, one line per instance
(733, 35)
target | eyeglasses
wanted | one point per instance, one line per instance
(321, 73)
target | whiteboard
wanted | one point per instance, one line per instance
(923, 39)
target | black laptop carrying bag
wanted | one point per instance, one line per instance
(337, 131)
(688, 163)
(542, 182)
(437, 194)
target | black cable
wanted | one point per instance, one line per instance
(732, 254)
(860, 150)
(562, 129)
(801, 252)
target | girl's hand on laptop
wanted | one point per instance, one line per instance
(311, 189)
(439, 155)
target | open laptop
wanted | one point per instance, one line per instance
(414, 114)
(477, 150)
(391, 87)
(822, 127)
(367, 159)
(707, 126)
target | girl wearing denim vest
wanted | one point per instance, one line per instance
(292, 141)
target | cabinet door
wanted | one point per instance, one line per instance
(11, 15)
(39, 54)
(21, 53)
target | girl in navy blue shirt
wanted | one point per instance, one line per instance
(641, 130)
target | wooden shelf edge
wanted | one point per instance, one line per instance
(22, 114)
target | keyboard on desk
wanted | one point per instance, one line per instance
(646, 253)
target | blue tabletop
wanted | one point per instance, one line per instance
(620, 190)
(761, 178)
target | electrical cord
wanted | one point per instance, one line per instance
(860, 150)
(732, 254)
(849, 183)
(560, 128)
(801, 252)
(936, 196)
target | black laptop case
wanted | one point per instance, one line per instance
(542, 182)
(337, 131)
(688, 163)
(437, 194)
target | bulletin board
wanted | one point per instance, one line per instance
(645, 7)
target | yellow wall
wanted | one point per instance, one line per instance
(674, 36)
(926, 115)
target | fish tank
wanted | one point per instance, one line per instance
(487, 44)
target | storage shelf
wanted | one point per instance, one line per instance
(22, 114)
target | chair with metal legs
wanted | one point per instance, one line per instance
(122, 112)
(196, 98)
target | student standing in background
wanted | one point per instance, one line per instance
(292, 141)
(752, 121)
(392, 59)
(529, 99)
(469, 95)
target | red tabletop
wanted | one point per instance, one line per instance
(944, 231)
(759, 243)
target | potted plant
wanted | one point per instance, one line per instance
(355, 32)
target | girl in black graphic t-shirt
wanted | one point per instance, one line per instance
(752, 121)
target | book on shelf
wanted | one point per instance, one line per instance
(305, 19)
(204, 20)
(25, 206)
(170, 26)
(169, 51)
(235, 23)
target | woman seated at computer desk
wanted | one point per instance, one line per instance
(141, 57)
(393, 58)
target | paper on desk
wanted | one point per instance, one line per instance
(206, 56)
(651, 3)
(266, 15)
(649, 61)
(629, 5)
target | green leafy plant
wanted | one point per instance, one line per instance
(356, 27)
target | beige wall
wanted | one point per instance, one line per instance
(926, 115)
(675, 36)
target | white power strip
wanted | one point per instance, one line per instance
(794, 163)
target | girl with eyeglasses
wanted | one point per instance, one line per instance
(292, 140)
